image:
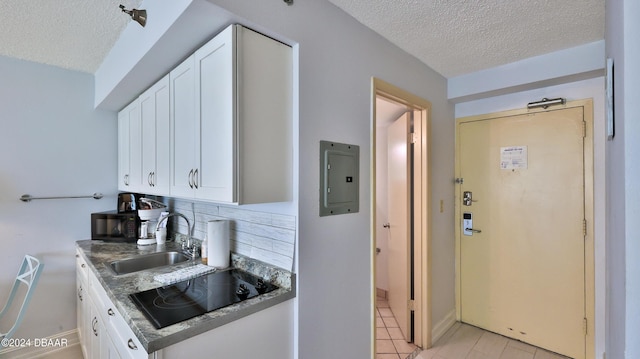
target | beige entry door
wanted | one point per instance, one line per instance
(522, 271)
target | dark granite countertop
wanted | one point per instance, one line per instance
(99, 254)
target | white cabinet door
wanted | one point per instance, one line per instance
(183, 130)
(243, 104)
(129, 148)
(216, 156)
(154, 141)
(95, 333)
(108, 348)
(101, 345)
(82, 304)
(123, 150)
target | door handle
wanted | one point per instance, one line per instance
(467, 198)
(473, 230)
(195, 178)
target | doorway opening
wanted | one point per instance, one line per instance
(400, 210)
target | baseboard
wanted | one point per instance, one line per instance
(38, 347)
(442, 326)
(381, 293)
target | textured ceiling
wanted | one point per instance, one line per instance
(73, 34)
(453, 37)
(456, 37)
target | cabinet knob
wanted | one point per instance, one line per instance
(111, 312)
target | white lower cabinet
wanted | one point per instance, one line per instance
(82, 303)
(104, 333)
(97, 336)
(102, 330)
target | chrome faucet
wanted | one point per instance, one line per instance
(190, 248)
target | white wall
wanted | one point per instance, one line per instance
(631, 105)
(623, 242)
(337, 58)
(53, 143)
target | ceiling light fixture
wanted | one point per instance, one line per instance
(139, 16)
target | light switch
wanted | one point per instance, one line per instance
(339, 179)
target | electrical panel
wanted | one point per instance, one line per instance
(339, 178)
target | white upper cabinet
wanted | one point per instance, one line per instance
(216, 109)
(242, 120)
(154, 115)
(264, 100)
(183, 130)
(129, 150)
(230, 131)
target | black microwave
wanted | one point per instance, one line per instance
(114, 226)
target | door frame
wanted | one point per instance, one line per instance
(422, 201)
(589, 248)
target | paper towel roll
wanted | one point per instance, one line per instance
(218, 243)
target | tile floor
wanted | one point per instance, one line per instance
(390, 343)
(463, 341)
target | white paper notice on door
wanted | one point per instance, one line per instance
(513, 157)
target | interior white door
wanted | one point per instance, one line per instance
(399, 221)
(523, 258)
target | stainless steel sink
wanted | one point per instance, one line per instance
(147, 261)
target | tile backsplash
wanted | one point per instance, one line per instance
(264, 236)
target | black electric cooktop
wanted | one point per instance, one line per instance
(184, 300)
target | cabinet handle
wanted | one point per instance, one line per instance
(80, 293)
(83, 265)
(111, 312)
(132, 345)
(149, 180)
(94, 322)
(195, 178)
(126, 180)
(153, 179)
(191, 178)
